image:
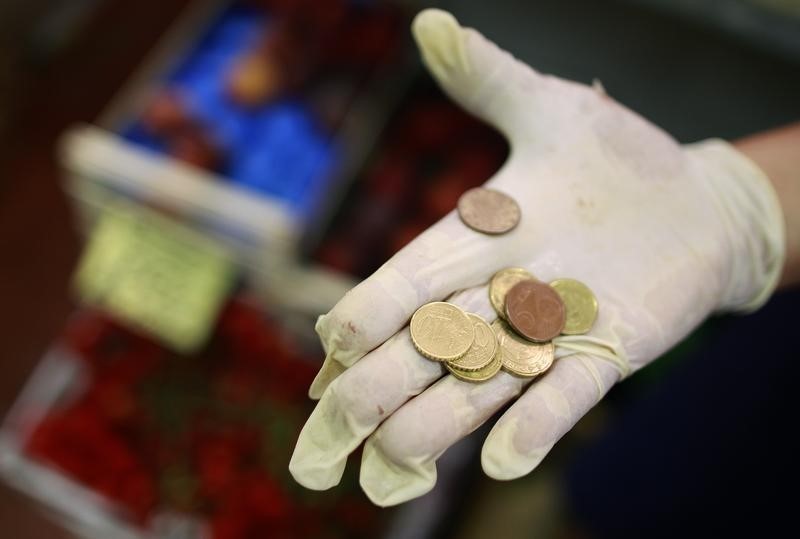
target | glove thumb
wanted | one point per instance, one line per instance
(484, 79)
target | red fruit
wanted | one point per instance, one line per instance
(114, 400)
(247, 440)
(60, 457)
(264, 350)
(476, 164)
(230, 524)
(194, 147)
(238, 387)
(218, 464)
(235, 318)
(137, 366)
(406, 233)
(86, 333)
(137, 492)
(443, 194)
(340, 254)
(310, 525)
(323, 15)
(356, 515)
(243, 323)
(106, 484)
(430, 126)
(365, 41)
(391, 179)
(264, 498)
(165, 114)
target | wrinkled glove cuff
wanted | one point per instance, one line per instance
(753, 221)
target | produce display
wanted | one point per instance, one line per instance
(259, 100)
(208, 436)
(260, 96)
(430, 153)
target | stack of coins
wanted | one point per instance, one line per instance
(464, 342)
(530, 313)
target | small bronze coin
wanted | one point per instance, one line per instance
(535, 310)
(488, 211)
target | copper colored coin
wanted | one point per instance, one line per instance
(535, 311)
(488, 211)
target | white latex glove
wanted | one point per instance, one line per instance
(664, 235)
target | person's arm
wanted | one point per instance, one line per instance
(777, 152)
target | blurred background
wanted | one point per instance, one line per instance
(186, 184)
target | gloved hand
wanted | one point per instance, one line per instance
(664, 235)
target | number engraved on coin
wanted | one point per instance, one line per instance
(580, 305)
(535, 310)
(441, 331)
(481, 375)
(521, 357)
(488, 211)
(483, 348)
(501, 283)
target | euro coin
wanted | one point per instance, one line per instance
(580, 305)
(481, 375)
(488, 211)
(520, 357)
(483, 348)
(441, 331)
(535, 310)
(501, 283)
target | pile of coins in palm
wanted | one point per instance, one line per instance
(530, 312)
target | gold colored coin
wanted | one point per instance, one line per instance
(522, 357)
(503, 281)
(441, 331)
(580, 304)
(481, 375)
(483, 348)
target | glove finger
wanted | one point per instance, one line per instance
(330, 371)
(483, 78)
(447, 257)
(399, 459)
(527, 431)
(364, 395)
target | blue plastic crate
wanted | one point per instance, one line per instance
(278, 149)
